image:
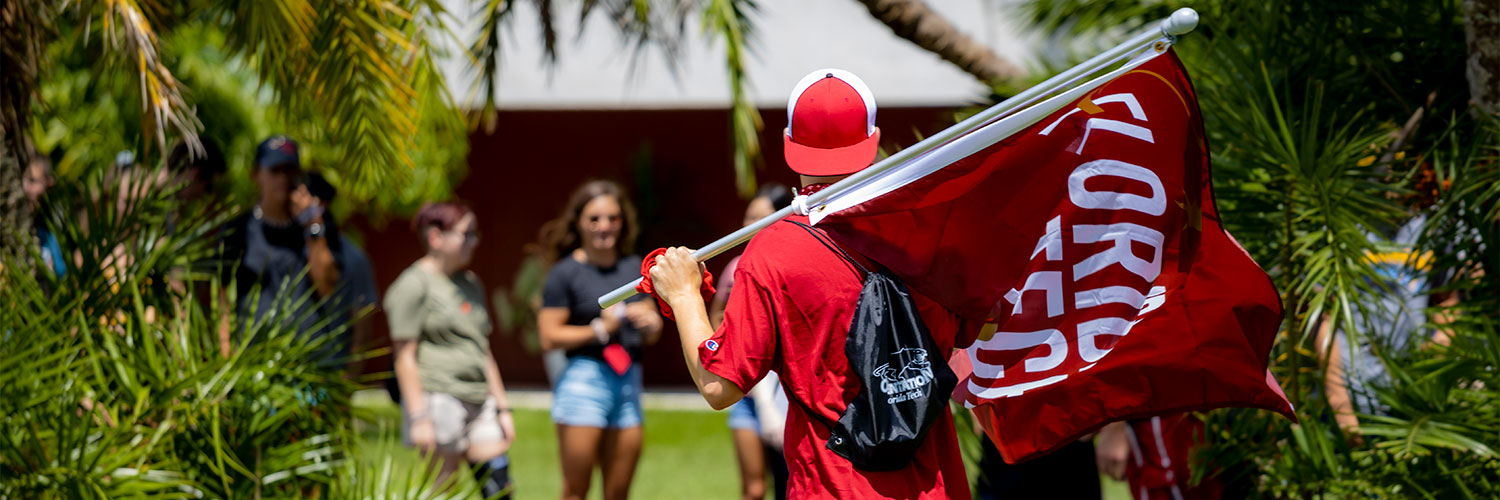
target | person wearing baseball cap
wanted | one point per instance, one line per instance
(282, 240)
(830, 128)
(791, 308)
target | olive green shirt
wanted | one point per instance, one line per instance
(446, 315)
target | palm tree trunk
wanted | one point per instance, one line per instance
(20, 23)
(1482, 32)
(15, 212)
(914, 21)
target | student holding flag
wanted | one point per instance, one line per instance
(1076, 222)
(791, 307)
(1081, 231)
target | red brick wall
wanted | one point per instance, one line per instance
(676, 164)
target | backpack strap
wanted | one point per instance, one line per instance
(828, 242)
(807, 409)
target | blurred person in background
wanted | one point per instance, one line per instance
(133, 185)
(453, 406)
(756, 422)
(357, 290)
(597, 399)
(1390, 318)
(35, 182)
(197, 174)
(283, 240)
(1154, 456)
(196, 177)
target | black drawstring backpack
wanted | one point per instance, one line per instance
(904, 380)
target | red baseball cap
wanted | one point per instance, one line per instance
(831, 124)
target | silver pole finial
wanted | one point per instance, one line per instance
(1181, 22)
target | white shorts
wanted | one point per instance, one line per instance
(456, 423)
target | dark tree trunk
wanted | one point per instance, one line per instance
(914, 21)
(20, 47)
(15, 212)
(1482, 32)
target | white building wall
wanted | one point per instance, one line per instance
(792, 38)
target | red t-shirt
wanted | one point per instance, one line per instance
(790, 310)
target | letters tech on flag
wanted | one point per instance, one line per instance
(1090, 245)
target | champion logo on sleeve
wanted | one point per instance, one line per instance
(711, 345)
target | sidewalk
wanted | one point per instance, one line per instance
(536, 398)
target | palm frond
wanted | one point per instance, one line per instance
(730, 20)
(119, 389)
(485, 53)
(130, 35)
(349, 78)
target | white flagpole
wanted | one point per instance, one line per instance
(1181, 22)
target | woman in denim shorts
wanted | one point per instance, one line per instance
(597, 400)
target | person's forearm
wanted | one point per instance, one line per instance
(323, 269)
(495, 383)
(1342, 405)
(646, 318)
(569, 337)
(1445, 316)
(1331, 355)
(410, 382)
(1112, 448)
(1338, 391)
(652, 332)
(693, 329)
(363, 332)
(224, 326)
(321, 266)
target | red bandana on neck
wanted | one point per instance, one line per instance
(809, 189)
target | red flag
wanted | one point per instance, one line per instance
(1090, 242)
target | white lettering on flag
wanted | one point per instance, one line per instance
(1088, 348)
(1122, 234)
(1051, 241)
(1051, 366)
(1108, 295)
(1010, 390)
(1154, 299)
(1136, 110)
(1048, 281)
(1129, 100)
(1103, 206)
(1133, 131)
(1110, 200)
(1021, 341)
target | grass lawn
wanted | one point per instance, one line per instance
(688, 454)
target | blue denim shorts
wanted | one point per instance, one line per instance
(591, 394)
(742, 415)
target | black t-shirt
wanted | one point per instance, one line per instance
(258, 254)
(577, 286)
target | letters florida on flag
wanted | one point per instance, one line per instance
(1090, 246)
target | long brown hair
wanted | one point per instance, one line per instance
(560, 236)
